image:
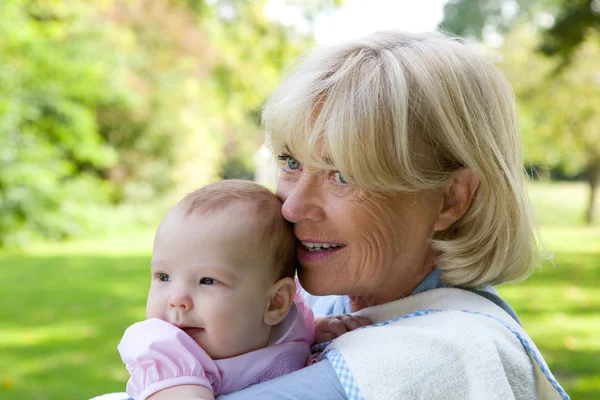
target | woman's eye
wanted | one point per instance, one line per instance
(289, 162)
(339, 178)
(292, 163)
(164, 277)
(208, 281)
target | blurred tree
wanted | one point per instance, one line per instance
(564, 22)
(128, 102)
(558, 109)
(476, 18)
(557, 103)
(572, 23)
(53, 75)
(252, 53)
(167, 137)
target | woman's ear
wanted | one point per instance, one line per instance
(281, 297)
(458, 195)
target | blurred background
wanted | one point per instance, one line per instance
(110, 110)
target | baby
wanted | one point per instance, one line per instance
(223, 311)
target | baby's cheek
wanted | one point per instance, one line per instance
(239, 326)
(153, 306)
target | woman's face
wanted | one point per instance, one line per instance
(353, 241)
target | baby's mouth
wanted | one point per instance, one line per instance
(190, 330)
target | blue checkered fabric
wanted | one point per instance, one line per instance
(344, 374)
(349, 384)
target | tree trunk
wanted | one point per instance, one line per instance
(593, 176)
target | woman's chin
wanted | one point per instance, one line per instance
(315, 283)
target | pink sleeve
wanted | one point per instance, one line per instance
(159, 355)
(304, 308)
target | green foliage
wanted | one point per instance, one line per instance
(572, 24)
(572, 20)
(557, 107)
(53, 76)
(475, 18)
(253, 53)
(559, 102)
(106, 103)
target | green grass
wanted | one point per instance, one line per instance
(65, 306)
(559, 306)
(64, 309)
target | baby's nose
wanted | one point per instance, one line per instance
(181, 301)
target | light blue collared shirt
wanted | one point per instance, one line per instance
(319, 381)
(334, 305)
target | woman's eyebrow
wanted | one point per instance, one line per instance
(328, 160)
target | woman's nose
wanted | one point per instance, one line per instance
(181, 301)
(303, 200)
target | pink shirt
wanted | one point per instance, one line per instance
(159, 355)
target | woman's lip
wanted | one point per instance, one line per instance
(306, 256)
(319, 241)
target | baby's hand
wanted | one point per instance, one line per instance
(333, 326)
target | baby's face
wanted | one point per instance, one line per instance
(211, 278)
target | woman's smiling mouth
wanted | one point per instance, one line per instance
(311, 246)
(309, 251)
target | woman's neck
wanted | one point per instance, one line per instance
(394, 292)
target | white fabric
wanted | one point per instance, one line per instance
(450, 354)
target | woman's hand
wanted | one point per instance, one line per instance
(333, 326)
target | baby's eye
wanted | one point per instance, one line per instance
(339, 178)
(208, 281)
(163, 277)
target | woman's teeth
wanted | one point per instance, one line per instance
(319, 246)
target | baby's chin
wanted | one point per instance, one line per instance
(199, 336)
(194, 333)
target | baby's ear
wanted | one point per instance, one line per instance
(281, 297)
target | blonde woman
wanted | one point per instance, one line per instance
(401, 171)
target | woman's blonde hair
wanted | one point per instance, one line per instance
(396, 112)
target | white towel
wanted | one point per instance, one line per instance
(441, 344)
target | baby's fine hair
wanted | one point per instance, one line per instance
(260, 203)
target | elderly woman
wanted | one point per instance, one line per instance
(401, 171)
